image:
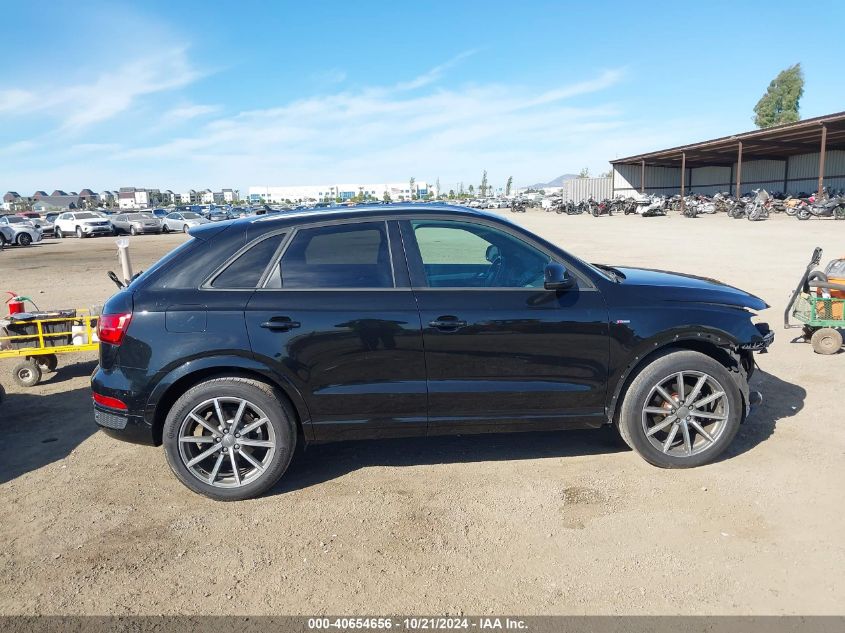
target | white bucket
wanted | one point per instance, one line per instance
(79, 335)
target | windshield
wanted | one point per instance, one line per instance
(86, 216)
(190, 216)
(140, 216)
(13, 220)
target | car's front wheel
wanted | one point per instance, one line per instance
(24, 239)
(681, 410)
(79, 233)
(229, 438)
(58, 233)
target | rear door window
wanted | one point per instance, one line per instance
(354, 255)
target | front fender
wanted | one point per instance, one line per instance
(226, 363)
(637, 334)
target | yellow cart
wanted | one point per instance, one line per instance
(44, 339)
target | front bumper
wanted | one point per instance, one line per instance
(93, 230)
(760, 342)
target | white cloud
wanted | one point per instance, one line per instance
(409, 128)
(77, 106)
(187, 112)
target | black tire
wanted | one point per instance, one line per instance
(27, 373)
(803, 215)
(826, 341)
(663, 367)
(79, 232)
(165, 229)
(24, 239)
(48, 362)
(2, 240)
(58, 233)
(133, 231)
(185, 228)
(273, 404)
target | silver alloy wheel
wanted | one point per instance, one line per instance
(226, 442)
(685, 413)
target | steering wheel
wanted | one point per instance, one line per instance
(497, 266)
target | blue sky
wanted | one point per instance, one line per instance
(231, 94)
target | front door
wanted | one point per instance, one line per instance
(338, 317)
(503, 353)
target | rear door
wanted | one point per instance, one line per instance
(338, 317)
(502, 352)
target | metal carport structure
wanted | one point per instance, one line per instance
(786, 158)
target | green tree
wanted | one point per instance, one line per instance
(412, 186)
(471, 190)
(509, 186)
(780, 103)
(483, 188)
(584, 173)
(451, 194)
(386, 196)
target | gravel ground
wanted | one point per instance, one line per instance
(536, 523)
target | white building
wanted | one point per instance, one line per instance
(331, 193)
(206, 196)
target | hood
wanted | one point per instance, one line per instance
(670, 286)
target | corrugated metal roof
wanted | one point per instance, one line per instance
(773, 143)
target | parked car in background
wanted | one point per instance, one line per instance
(182, 221)
(136, 223)
(217, 215)
(160, 213)
(81, 224)
(17, 230)
(254, 336)
(39, 222)
(50, 221)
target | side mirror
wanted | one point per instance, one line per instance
(556, 277)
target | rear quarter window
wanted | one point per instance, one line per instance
(246, 270)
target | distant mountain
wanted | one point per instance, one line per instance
(557, 182)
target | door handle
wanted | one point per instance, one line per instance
(447, 323)
(280, 324)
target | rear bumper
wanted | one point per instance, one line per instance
(122, 426)
(130, 424)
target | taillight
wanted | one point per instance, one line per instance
(107, 401)
(112, 327)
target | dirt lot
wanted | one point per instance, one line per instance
(534, 524)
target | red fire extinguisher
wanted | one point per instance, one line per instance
(15, 303)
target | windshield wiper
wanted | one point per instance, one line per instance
(615, 273)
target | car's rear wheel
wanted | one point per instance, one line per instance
(681, 410)
(185, 229)
(229, 438)
(165, 229)
(58, 233)
(133, 230)
(24, 239)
